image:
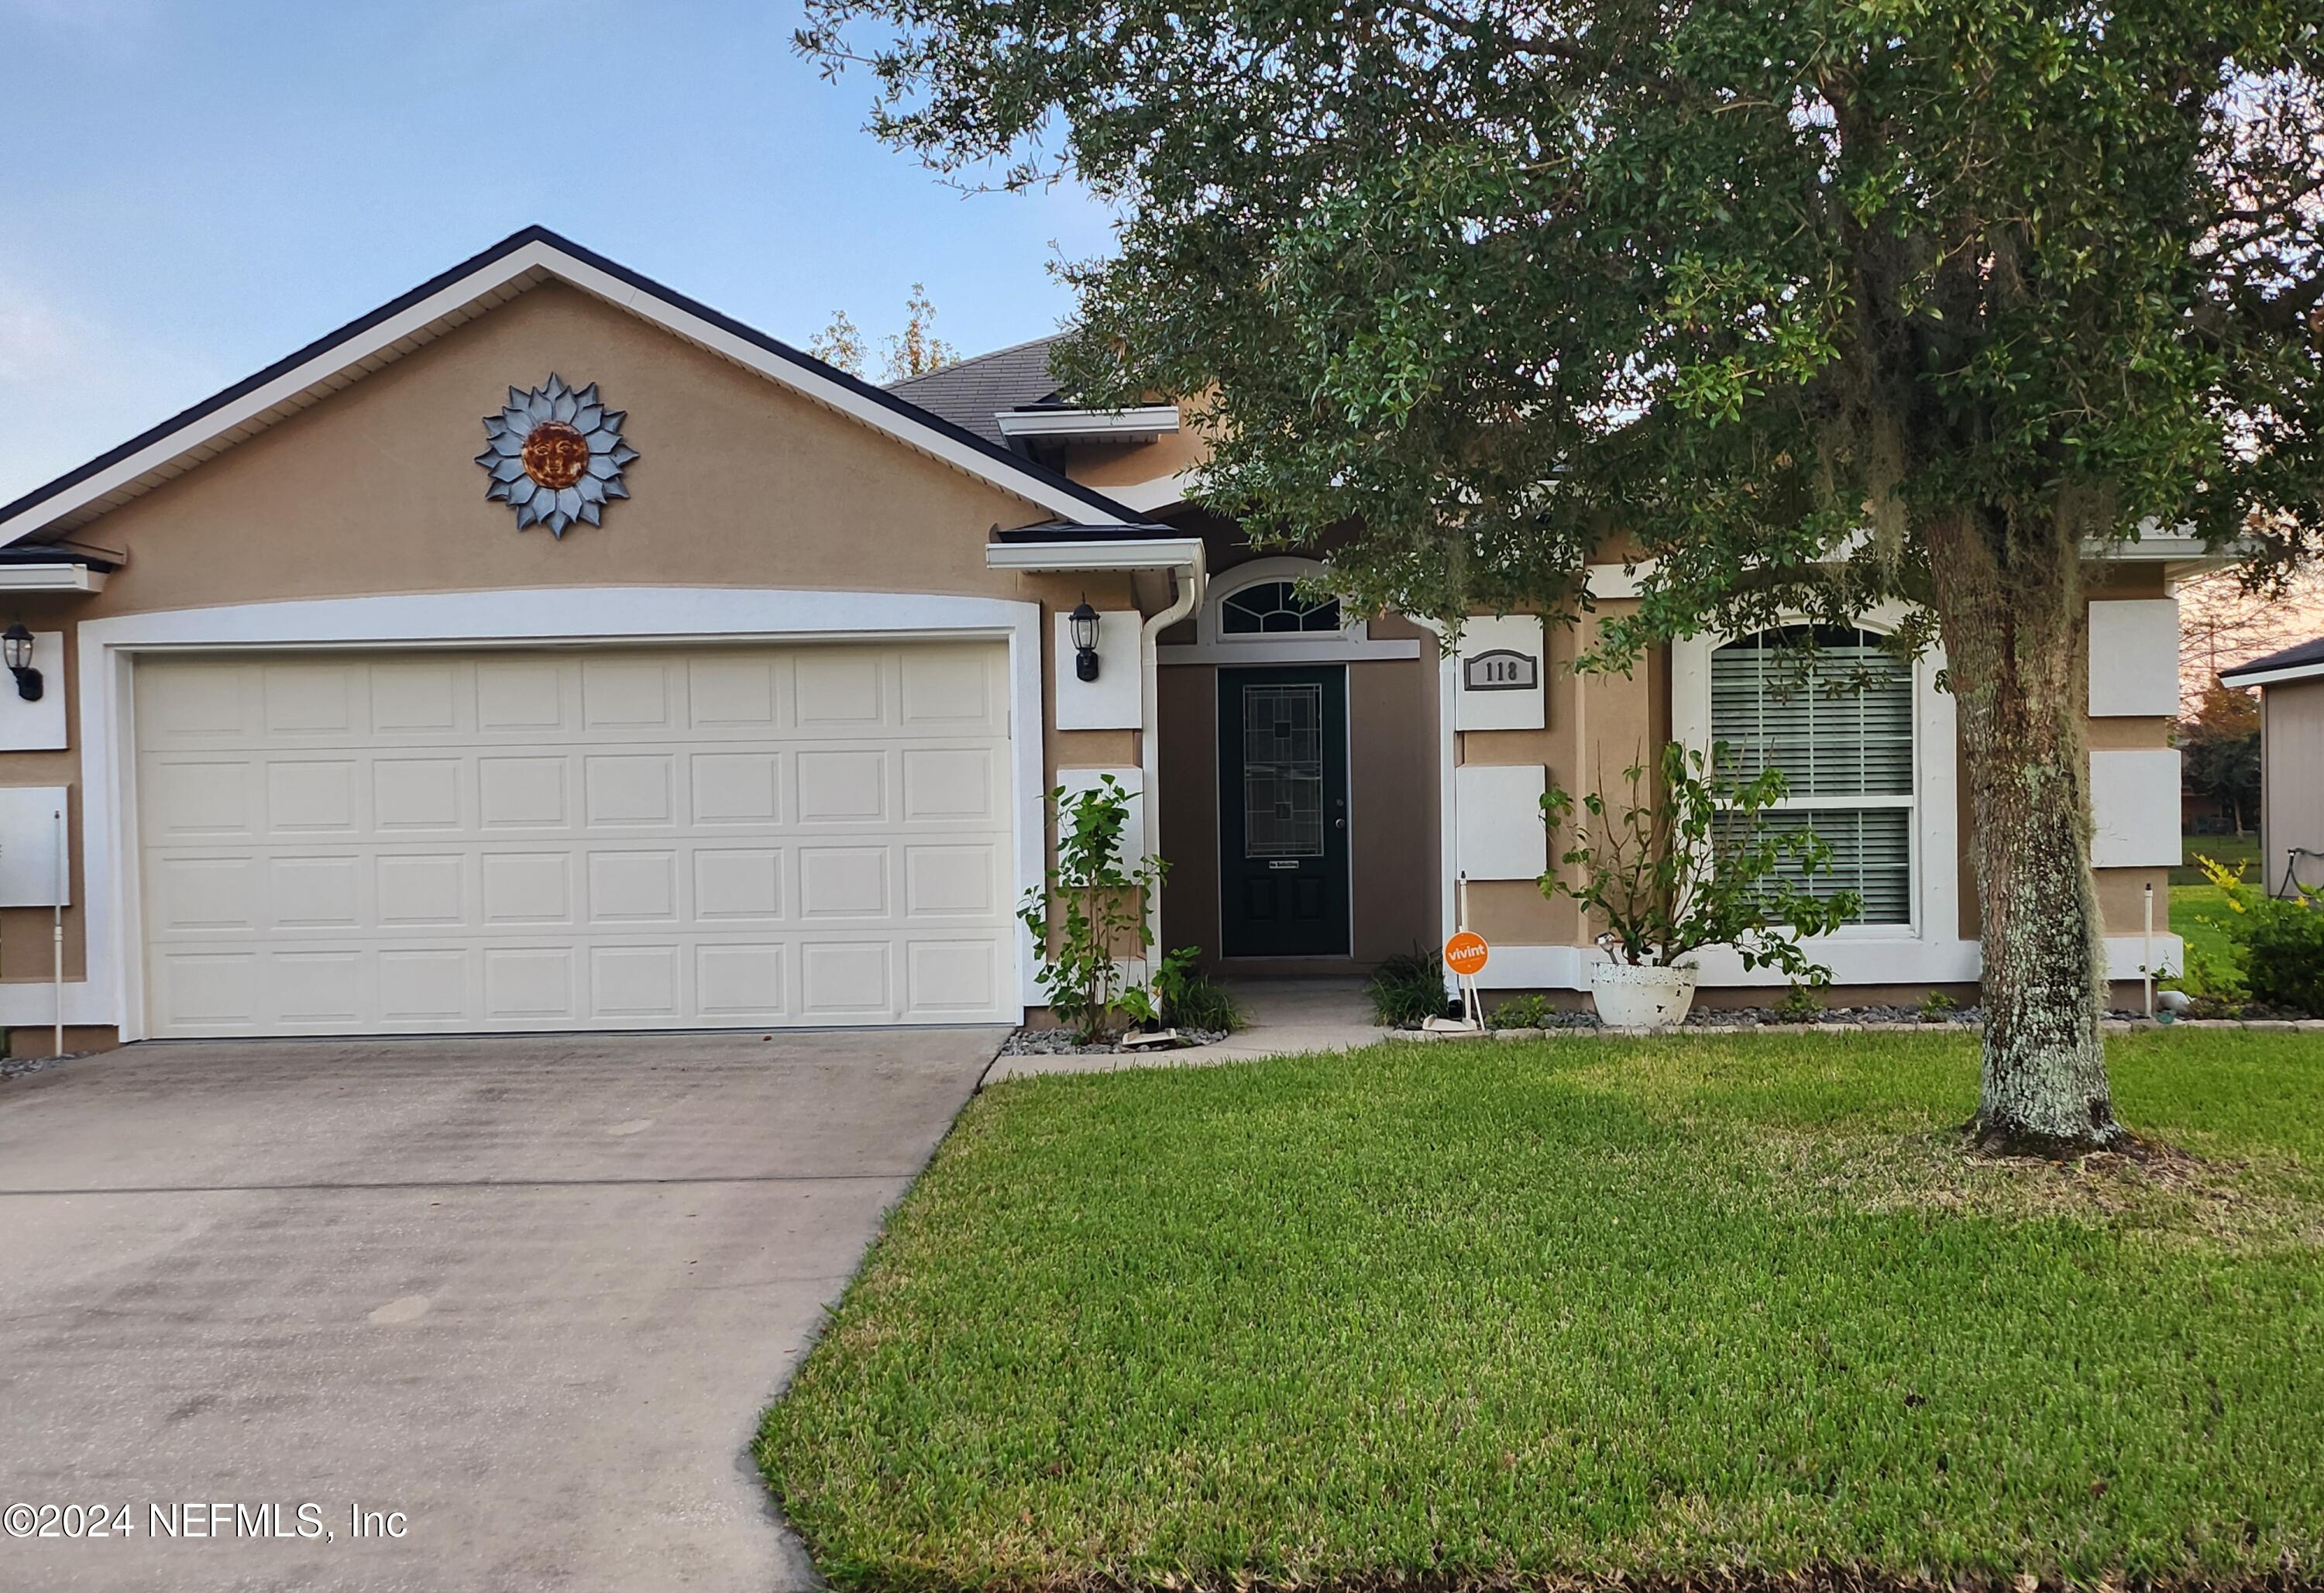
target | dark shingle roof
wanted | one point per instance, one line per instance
(971, 392)
(2290, 658)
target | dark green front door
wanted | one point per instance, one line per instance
(1283, 811)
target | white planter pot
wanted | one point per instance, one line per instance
(1631, 997)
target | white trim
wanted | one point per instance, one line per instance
(1289, 648)
(1852, 962)
(1258, 572)
(520, 268)
(1147, 421)
(112, 992)
(1164, 492)
(51, 577)
(1606, 582)
(1159, 552)
(1936, 830)
(2276, 677)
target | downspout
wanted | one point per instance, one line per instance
(1191, 588)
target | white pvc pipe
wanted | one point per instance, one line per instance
(2146, 956)
(57, 934)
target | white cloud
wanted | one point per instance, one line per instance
(71, 387)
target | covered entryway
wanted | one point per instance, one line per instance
(716, 836)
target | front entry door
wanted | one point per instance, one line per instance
(1283, 811)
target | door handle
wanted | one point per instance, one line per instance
(1339, 824)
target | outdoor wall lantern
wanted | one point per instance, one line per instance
(1083, 623)
(16, 648)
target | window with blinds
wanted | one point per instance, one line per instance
(1833, 710)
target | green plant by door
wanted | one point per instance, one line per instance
(1090, 914)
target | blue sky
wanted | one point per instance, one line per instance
(191, 189)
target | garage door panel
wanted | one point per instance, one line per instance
(422, 890)
(735, 694)
(733, 883)
(842, 979)
(631, 789)
(203, 799)
(420, 699)
(306, 700)
(951, 979)
(634, 887)
(410, 794)
(736, 787)
(317, 894)
(477, 842)
(517, 696)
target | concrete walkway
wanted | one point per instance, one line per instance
(1288, 1017)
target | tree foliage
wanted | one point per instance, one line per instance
(2219, 746)
(913, 351)
(1797, 305)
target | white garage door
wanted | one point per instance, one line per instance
(575, 839)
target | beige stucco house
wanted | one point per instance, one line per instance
(2291, 685)
(733, 703)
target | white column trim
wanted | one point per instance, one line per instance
(112, 992)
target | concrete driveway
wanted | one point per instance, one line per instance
(530, 1293)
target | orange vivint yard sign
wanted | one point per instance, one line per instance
(1465, 953)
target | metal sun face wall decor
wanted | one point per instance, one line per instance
(556, 455)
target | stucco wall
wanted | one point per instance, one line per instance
(739, 481)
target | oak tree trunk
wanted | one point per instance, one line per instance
(2010, 606)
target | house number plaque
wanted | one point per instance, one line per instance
(1501, 670)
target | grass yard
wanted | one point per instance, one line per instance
(2226, 849)
(2190, 907)
(1463, 1315)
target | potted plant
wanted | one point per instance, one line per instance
(1689, 862)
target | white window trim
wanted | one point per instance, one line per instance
(113, 991)
(1209, 632)
(1351, 644)
(1928, 949)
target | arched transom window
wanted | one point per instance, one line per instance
(1270, 607)
(1832, 708)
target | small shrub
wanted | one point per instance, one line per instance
(2281, 942)
(1522, 1012)
(2212, 981)
(1090, 911)
(1193, 1000)
(1407, 988)
(1799, 1005)
(1936, 1008)
(1689, 860)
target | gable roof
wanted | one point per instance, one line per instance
(2301, 662)
(972, 392)
(475, 286)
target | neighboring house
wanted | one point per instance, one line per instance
(760, 734)
(2291, 760)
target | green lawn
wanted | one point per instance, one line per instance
(2190, 906)
(2228, 850)
(1492, 1313)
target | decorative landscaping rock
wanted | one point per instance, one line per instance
(1059, 1042)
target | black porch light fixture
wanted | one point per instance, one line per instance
(1083, 623)
(17, 651)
